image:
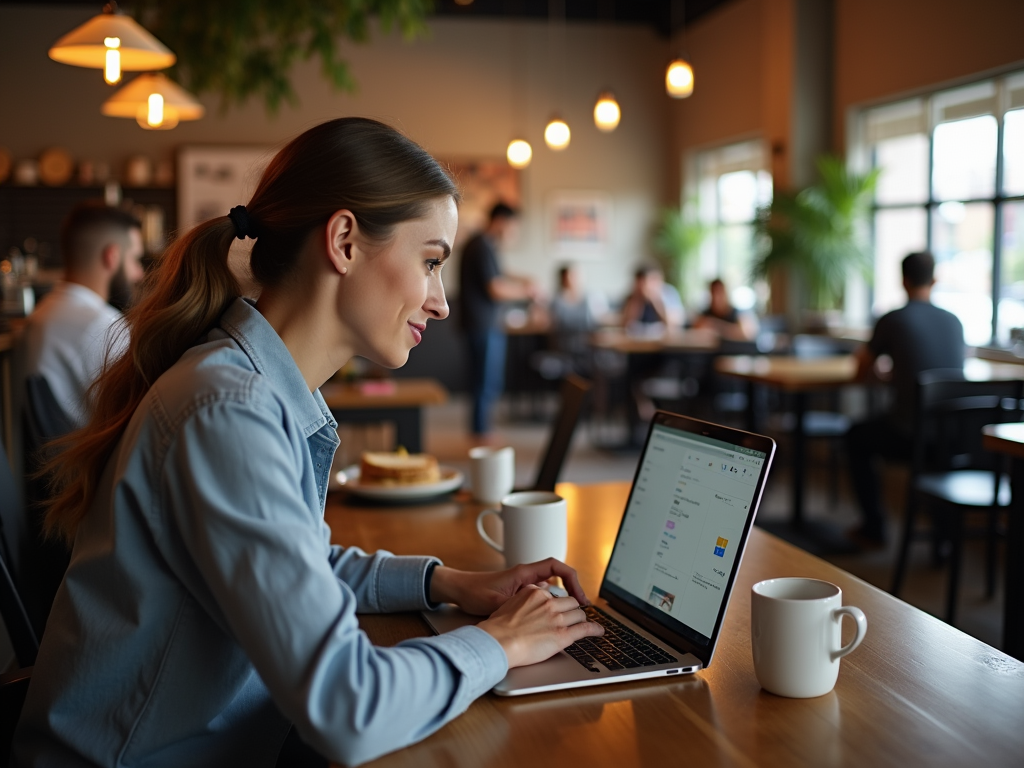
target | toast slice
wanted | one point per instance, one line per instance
(398, 468)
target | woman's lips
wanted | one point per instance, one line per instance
(417, 331)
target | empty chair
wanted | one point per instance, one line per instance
(573, 393)
(950, 470)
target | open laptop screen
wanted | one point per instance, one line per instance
(685, 523)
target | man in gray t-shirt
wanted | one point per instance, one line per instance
(917, 337)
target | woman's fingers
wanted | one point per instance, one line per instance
(544, 569)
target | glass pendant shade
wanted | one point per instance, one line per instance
(519, 153)
(557, 134)
(155, 102)
(112, 42)
(607, 113)
(679, 79)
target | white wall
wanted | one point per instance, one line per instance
(454, 92)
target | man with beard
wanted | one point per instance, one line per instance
(71, 332)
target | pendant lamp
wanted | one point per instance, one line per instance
(155, 102)
(519, 153)
(607, 113)
(114, 43)
(679, 74)
(556, 134)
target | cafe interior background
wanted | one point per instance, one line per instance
(778, 83)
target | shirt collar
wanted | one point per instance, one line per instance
(270, 357)
(81, 293)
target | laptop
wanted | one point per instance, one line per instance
(667, 584)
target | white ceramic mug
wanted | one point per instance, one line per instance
(796, 635)
(534, 525)
(492, 473)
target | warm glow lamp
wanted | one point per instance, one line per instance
(519, 153)
(679, 79)
(155, 102)
(607, 113)
(114, 43)
(556, 134)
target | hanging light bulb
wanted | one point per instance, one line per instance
(112, 60)
(155, 102)
(607, 113)
(519, 153)
(556, 134)
(679, 79)
(112, 42)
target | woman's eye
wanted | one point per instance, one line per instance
(433, 264)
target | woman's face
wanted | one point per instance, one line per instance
(391, 295)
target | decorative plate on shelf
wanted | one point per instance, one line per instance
(348, 479)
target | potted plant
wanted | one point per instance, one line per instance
(678, 239)
(816, 236)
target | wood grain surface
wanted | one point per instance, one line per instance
(916, 692)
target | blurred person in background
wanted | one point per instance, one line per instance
(575, 313)
(917, 337)
(721, 316)
(71, 333)
(652, 302)
(483, 288)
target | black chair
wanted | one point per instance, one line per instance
(573, 394)
(13, 688)
(41, 573)
(951, 471)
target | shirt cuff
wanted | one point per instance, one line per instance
(400, 582)
(478, 656)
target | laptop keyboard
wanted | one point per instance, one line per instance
(619, 648)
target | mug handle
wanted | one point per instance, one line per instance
(488, 539)
(862, 627)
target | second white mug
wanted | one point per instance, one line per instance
(492, 473)
(535, 527)
(796, 635)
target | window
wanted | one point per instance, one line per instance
(732, 183)
(952, 181)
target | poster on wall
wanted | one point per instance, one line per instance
(579, 224)
(214, 179)
(482, 182)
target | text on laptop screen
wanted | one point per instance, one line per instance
(681, 532)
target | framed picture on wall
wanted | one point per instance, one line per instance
(214, 179)
(482, 182)
(579, 223)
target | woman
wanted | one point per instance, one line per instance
(204, 610)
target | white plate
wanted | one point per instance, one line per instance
(348, 478)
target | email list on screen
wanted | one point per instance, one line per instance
(681, 531)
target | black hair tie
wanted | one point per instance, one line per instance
(245, 222)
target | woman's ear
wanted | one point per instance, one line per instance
(341, 233)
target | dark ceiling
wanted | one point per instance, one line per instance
(664, 15)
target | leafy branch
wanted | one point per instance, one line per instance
(244, 48)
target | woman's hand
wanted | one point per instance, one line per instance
(483, 593)
(534, 625)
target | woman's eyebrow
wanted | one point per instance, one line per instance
(443, 245)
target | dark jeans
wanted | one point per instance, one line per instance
(867, 442)
(486, 375)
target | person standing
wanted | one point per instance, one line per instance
(70, 334)
(483, 288)
(917, 337)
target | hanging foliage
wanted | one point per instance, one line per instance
(817, 232)
(244, 48)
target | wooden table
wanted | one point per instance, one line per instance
(916, 692)
(672, 340)
(803, 376)
(1009, 439)
(401, 404)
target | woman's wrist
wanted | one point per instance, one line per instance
(444, 586)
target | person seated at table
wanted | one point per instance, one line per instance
(652, 303)
(205, 613)
(68, 336)
(917, 337)
(721, 316)
(574, 314)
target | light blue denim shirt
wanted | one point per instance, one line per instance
(205, 609)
